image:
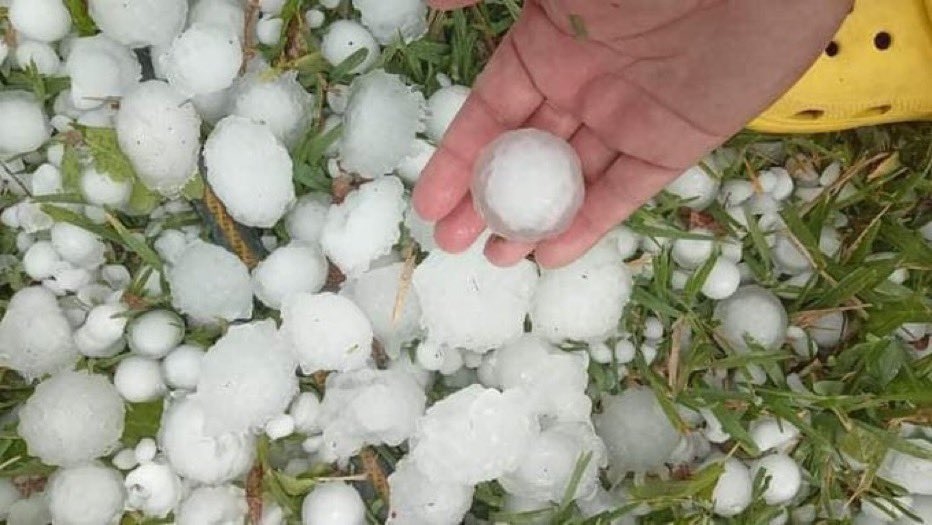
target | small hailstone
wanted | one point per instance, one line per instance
(44, 56)
(279, 427)
(828, 330)
(42, 20)
(830, 175)
(722, 281)
(693, 253)
(209, 283)
(181, 368)
(125, 459)
(85, 495)
(100, 69)
(326, 332)
(626, 241)
(382, 117)
(783, 184)
(390, 19)
(280, 103)
(225, 504)
(312, 444)
(419, 500)
(271, 7)
(695, 187)
(735, 192)
(102, 190)
(785, 478)
(41, 261)
(77, 245)
(155, 333)
(305, 221)
(139, 379)
(315, 18)
(304, 410)
(411, 167)
(365, 226)
(653, 328)
(442, 107)
(733, 490)
(139, 23)
(225, 15)
(420, 230)
(830, 241)
(35, 336)
(346, 37)
(528, 185)
(269, 30)
(145, 450)
(376, 293)
(768, 433)
(624, 351)
(333, 503)
(23, 123)
(159, 131)
(197, 455)
(473, 435)
(203, 59)
(9, 494)
(648, 352)
(250, 170)
(788, 257)
(368, 407)
(467, 302)
(753, 313)
(913, 473)
(54, 420)
(636, 430)
(247, 378)
(600, 353)
(294, 268)
(430, 356)
(153, 489)
(170, 244)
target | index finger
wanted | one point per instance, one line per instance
(503, 98)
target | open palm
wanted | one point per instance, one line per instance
(642, 89)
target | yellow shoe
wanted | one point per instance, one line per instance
(877, 70)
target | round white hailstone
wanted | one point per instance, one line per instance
(913, 473)
(722, 281)
(442, 107)
(365, 226)
(693, 253)
(411, 167)
(584, 300)
(600, 353)
(788, 257)
(419, 500)
(159, 131)
(250, 171)
(46, 180)
(279, 427)
(382, 117)
(390, 19)
(181, 368)
(9, 494)
(103, 328)
(102, 190)
(155, 333)
(315, 18)
(624, 351)
(333, 503)
(294, 268)
(304, 410)
(282, 104)
(209, 283)
(473, 435)
(139, 379)
(735, 192)
(626, 241)
(772, 434)
(554, 382)
(153, 489)
(368, 407)
(202, 59)
(139, 23)
(247, 378)
(226, 15)
(77, 245)
(637, 432)
(225, 504)
(733, 490)
(753, 313)
(30, 511)
(269, 30)
(926, 231)
(785, 478)
(170, 244)
(29, 52)
(145, 450)
(549, 463)
(305, 221)
(326, 332)
(23, 123)
(653, 328)
(828, 330)
(198, 456)
(695, 187)
(467, 302)
(346, 37)
(41, 261)
(783, 184)
(42, 20)
(376, 293)
(35, 336)
(86, 495)
(528, 185)
(100, 69)
(53, 421)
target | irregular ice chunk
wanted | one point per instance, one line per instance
(419, 500)
(280, 103)
(390, 19)
(100, 69)
(326, 332)
(139, 23)
(209, 283)
(637, 432)
(86, 495)
(23, 123)
(294, 268)
(153, 489)
(203, 59)
(35, 336)
(376, 293)
(225, 504)
(754, 313)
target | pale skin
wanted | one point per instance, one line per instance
(649, 89)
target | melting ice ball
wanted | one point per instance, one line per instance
(528, 185)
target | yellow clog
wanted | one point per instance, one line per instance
(877, 70)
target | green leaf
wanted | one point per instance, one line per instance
(142, 420)
(108, 157)
(65, 215)
(345, 68)
(294, 486)
(71, 170)
(82, 20)
(194, 189)
(701, 482)
(135, 244)
(142, 200)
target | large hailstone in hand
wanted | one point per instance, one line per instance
(473, 435)
(281, 103)
(247, 378)
(326, 332)
(160, 132)
(35, 336)
(100, 69)
(209, 283)
(203, 59)
(382, 118)
(86, 495)
(376, 293)
(528, 185)
(250, 171)
(390, 19)
(636, 431)
(368, 407)
(365, 226)
(139, 23)
(419, 500)
(23, 123)
(54, 421)
(752, 313)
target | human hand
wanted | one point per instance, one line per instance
(651, 87)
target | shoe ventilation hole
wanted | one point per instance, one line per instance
(877, 111)
(809, 114)
(832, 49)
(883, 41)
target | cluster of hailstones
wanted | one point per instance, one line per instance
(518, 412)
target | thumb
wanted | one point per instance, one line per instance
(445, 5)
